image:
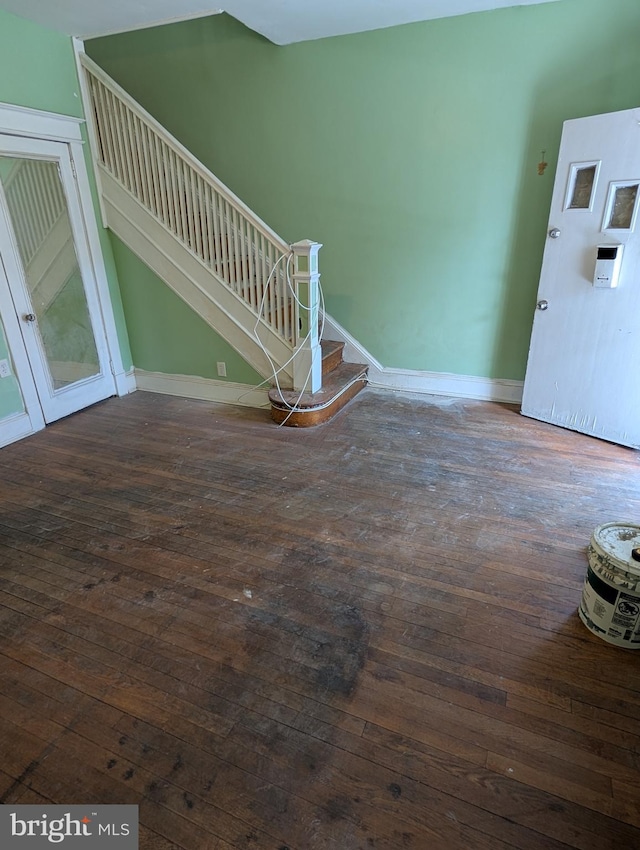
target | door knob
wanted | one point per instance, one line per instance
(29, 317)
(542, 305)
(554, 233)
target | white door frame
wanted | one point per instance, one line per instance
(49, 126)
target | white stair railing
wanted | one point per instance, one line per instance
(201, 212)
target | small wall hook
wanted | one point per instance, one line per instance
(542, 164)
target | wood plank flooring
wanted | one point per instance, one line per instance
(359, 636)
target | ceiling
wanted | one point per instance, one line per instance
(281, 21)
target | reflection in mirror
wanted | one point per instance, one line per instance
(38, 210)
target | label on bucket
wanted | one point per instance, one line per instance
(611, 613)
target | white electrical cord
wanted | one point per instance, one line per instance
(274, 373)
(293, 408)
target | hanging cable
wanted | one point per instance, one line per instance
(293, 408)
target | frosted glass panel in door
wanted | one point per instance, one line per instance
(582, 191)
(623, 207)
(38, 212)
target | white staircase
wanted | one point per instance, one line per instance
(252, 287)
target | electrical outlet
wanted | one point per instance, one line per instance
(222, 369)
(5, 369)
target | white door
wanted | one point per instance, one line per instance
(585, 347)
(47, 269)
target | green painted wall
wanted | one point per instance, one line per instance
(411, 153)
(166, 335)
(37, 70)
(37, 67)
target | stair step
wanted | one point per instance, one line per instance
(331, 355)
(338, 387)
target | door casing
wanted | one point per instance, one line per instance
(29, 124)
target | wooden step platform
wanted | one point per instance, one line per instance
(340, 383)
(331, 355)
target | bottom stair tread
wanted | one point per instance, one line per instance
(332, 385)
(338, 387)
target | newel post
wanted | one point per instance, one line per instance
(307, 360)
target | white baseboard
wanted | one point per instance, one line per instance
(414, 381)
(65, 371)
(15, 427)
(205, 389)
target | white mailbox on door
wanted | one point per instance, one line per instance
(608, 262)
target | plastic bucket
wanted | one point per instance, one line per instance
(610, 604)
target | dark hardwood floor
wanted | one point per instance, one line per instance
(360, 636)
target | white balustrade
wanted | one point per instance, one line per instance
(208, 219)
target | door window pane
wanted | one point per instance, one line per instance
(38, 210)
(583, 184)
(11, 401)
(623, 207)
